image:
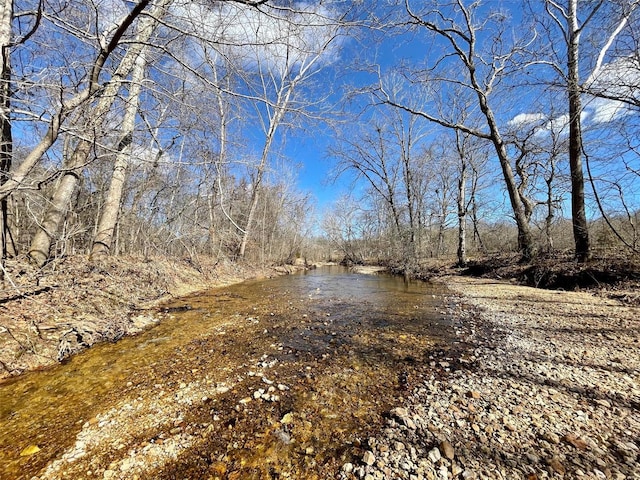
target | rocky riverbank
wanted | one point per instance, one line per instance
(530, 384)
(547, 386)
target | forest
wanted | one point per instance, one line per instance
(457, 129)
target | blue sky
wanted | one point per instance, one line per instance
(310, 148)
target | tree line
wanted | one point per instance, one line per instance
(155, 127)
(158, 127)
(498, 112)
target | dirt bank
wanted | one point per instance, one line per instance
(48, 314)
(549, 388)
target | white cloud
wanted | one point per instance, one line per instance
(523, 119)
(620, 77)
(272, 40)
(617, 79)
(606, 111)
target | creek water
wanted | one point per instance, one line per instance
(341, 348)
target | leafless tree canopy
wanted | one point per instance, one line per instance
(160, 128)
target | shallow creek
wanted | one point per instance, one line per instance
(279, 378)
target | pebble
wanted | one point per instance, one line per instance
(520, 412)
(434, 455)
(446, 449)
(369, 458)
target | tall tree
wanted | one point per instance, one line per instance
(7, 43)
(109, 216)
(78, 159)
(6, 140)
(573, 31)
(572, 18)
(383, 151)
(300, 45)
(455, 29)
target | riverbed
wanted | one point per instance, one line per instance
(279, 378)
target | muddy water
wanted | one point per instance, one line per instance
(281, 378)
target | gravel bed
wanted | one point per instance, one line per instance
(548, 388)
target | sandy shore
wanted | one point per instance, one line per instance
(549, 388)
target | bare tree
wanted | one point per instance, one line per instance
(383, 151)
(455, 27)
(6, 140)
(7, 43)
(109, 217)
(298, 50)
(572, 20)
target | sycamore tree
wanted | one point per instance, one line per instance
(287, 51)
(71, 96)
(588, 31)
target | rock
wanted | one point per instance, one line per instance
(347, 468)
(575, 441)
(434, 455)
(556, 465)
(446, 449)
(551, 437)
(126, 465)
(443, 473)
(399, 412)
(402, 414)
(369, 458)
(532, 458)
(282, 436)
(473, 394)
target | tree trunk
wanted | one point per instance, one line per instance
(281, 108)
(6, 140)
(462, 216)
(525, 240)
(253, 205)
(474, 211)
(42, 240)
(109, 218)
(580, 226)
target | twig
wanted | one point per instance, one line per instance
(5, 274)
